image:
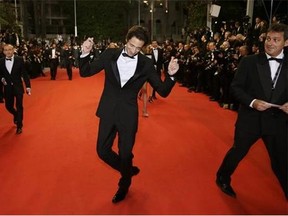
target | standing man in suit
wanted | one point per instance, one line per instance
(1, 84)
(1, 93)
(54, 60)
(126, 70)
(68, 59)
(157, 57)
(12, 71)
(260, 85)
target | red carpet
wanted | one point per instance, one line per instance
(52, 167)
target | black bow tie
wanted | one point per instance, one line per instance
(275, 59)
(126, 55)
(8, 59)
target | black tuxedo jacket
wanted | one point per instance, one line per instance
(253, 81)
(159, 62)
(14, 80)
(118, 100)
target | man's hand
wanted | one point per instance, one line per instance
(284, 107)
(3, 81)
(261, 105)
(87, 45)
(173, 66)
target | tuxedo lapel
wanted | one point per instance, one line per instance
(4, 69)
(264, 74)
(153, 56)
(115, 71)
(114, 65)
(281, 81)
(13, 66)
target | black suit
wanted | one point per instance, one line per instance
(68, 61)
(1, 92)
(14, 88)
(1, 84)
(158, 64)
(54, 62)
(118, 109)
(253, 81)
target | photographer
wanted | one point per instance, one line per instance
(211, 77)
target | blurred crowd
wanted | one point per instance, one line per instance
(208, 60)
(35, 52)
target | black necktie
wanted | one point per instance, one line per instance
(126, 55)
(275, 59)
(8, 59)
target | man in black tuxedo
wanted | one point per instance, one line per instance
(1, 84)
(157, 57)
(126, 70)
(54, 60)
(260, 85)
(12, 70)
(67, 59)
(1, 93)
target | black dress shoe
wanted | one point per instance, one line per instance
(225, 187)
(19, 131)
(120, 195)
(135, 170)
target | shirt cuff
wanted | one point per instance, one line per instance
(251, 104)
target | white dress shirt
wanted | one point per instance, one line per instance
(274, 64)
(53, 53)
(155, 52)
(9, 64)
(126, 67)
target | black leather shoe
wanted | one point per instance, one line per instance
(120, 195)
(225, 187)
(135, 170)
(19, 131)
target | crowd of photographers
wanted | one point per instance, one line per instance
(208, 61)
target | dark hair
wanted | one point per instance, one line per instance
(139, 32)
(279, 27)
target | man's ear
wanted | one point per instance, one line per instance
(286, 43)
